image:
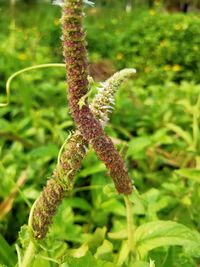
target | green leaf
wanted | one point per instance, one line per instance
(41, 262)
(98, 195)
(193, 174)
(79, 252)
(24, 236)
(113, 206)
(178, 130)
(123, 253)
(161, 137)
(99, 167)
(139, 203)
(141, 264)
(167, 233)
(77, 202)
(120, 235)
(7, 255)
(109, 190)
(137, 146)
(66, 228)
(51, 150)
(104, 252)
(186, 104)
(5, 125)
(86, 261)
(97, 238)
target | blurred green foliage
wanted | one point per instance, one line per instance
(156, 119)
(161, 46)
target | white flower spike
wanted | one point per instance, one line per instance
(58, 3)
(104, 99)
(90, 3)
(61, 2)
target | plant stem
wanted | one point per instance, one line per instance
(25, 70)
(29, 254)
(130, 226)
(30, 251)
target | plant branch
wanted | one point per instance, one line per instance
(29, 255)
(130, 225)
(69, 162)
(8, 83)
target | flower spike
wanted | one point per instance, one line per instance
(74, 151)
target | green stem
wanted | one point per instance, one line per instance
(60, 154)
(22, 71)
(30, 251)
(18, 255)
(130, 226)
(29, 254)
(195, 124)
(48, 259)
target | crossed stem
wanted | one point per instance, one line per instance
(73, 150)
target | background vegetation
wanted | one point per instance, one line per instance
(156, 120)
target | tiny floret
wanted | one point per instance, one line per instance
(90, 3)
(58, 3)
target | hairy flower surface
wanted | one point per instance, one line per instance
(74, 47)
(104, 100)
(62, 2)
(89, 127)
(56, 188)
(73, 153)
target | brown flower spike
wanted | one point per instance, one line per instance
(70, 161)
(73, 153)
(57, 187)
(74, 47)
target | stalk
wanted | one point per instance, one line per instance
(130, 225)
(29, 255)
(8, 83)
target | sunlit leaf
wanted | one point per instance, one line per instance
(7, 255)
(87, 261)
(104, 252)
(182, 133)
(167, 233)
(193, 174)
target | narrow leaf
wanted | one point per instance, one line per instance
(193, 174)
(7, 255)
